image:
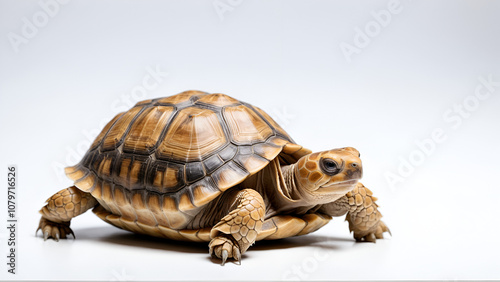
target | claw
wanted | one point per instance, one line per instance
(46, 235)
(237, 255)
(71, 232)
(388, 230)
(36, 232)
(224, 256)
(371, 238)
(57, 237)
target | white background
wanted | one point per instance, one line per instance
(80, 68)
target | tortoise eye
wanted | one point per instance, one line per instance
(329, 166)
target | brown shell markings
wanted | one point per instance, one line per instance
(162, 160)
(193, 134)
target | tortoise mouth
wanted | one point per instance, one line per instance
(339, 187)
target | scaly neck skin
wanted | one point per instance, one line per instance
(292, 191)
(278, 186)
(290, 187)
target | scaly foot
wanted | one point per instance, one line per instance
(375, 233)
(54, 230)
(224, 247)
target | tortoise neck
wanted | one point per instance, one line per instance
(278, 186)
(292, 188)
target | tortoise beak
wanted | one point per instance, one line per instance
(339, 187)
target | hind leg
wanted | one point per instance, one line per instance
(60, 209)
(238, 230)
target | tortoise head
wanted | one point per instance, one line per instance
(326, 176)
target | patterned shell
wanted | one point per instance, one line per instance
(179, 153)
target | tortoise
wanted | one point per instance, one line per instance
(209, 168)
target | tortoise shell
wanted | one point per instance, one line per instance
(165, 158)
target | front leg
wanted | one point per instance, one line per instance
(60, 209)
(238, 230)
(362, 214)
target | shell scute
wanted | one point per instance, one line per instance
(165, 177)
(194, 133)
(185, 203)
(267, 150)
(245, 150)
(228, 153)
(106, 128)
(218, 99)
(212, 163)
(186, 96)
(194, 171)
(246, 126)
(229, 175)
(271, 121)
(116, 133)
(252, 163)
(154, 203)
(143, 212)
(204, 191)
(146, 130)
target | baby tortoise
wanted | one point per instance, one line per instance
(209, 168)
